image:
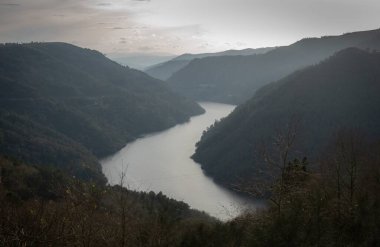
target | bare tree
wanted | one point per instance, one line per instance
(340, 176)
(271, 176)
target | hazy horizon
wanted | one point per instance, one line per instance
(125, 27)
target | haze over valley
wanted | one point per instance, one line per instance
(189, 123)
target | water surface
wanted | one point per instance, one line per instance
(161, 162)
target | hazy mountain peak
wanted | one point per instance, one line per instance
(165, 70)
(234, 79)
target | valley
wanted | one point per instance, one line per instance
(190, 123)
(161, 163)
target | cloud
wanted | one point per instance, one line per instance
(10, 4)
(104, 4)
(123, 40)
(173, 26)
(145, 48)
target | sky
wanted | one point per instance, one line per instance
(181, 26)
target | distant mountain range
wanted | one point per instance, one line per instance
(340, 93)
(235, 79)
(67, 106)
(165, 70)
(140, 61)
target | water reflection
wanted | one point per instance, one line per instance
(161, 162)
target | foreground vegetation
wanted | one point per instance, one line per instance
(44, 207)
(335, 205)
(338, 205)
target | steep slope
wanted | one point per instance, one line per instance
(164, 70)
(234, 79)
(64, 105)
(341, 92)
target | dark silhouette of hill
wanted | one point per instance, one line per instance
(164, 70)
(67, 106)
(341, 92)
(234, 79)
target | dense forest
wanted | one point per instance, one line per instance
(312, 104)
(67, 106)
(234, 79)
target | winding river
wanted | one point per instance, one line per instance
(161, 162)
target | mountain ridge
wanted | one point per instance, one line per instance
(166, 69)
(235, 79)
(338, 93)
(59, 100)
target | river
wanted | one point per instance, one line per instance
(161, 162)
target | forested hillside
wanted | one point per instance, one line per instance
(309, 106)
(235, 79)
(67, 106)
(165, 70)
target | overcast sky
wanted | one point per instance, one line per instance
(179, 26)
